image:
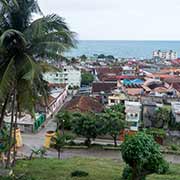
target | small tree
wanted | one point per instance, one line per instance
(63, 120)
(163, 117)
(85, 125)
(58, 142)
(114, 122)
(86, 78)
(142, 155)
(83, 57)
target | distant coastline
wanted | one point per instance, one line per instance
(140, 49)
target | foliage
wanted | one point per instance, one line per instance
(163, 117)
(38, 152)
(155, 132)
(24, 44)
(175, 147)
(118, 108)
(127, 173)
(63, 119)
(112, 122)
(143, 155)
(83, 57)
(79, 173)
(85, 125)
(86, 78)
(4, 136)
(59, 141)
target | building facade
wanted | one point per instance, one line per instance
(68, 75)
(168, 55)
(133, 114)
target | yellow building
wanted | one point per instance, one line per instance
(116, 98)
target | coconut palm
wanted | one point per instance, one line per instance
(24, 45)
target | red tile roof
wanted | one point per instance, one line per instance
(84, 104)
(106, 87)
(125, 77)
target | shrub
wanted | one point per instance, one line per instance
(79, 173)
(174, 147)
(142, 154)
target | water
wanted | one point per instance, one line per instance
(125, 49)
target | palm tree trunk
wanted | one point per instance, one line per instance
(3, 111)
(14, 136)
(11, 128)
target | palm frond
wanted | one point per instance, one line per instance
(7, 79)
(49, 35)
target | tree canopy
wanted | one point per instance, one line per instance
(142, 155)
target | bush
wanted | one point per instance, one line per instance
(174, 147)
(142, 154)
(163, 167)
(79, 173)
(127, 173)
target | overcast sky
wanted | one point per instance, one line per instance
(119, 19)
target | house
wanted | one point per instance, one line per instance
(27, 123)
(176, 111)
(133, 114)
(117, 97)
(101, 90)
(84, 104)
(54, 101)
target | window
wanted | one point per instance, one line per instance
(112, 101)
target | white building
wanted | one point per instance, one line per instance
(168, 55)
(133, 114)
(176, 110)
(68, 75)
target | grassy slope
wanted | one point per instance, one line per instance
(98, 169)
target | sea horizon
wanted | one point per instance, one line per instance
(140, 49)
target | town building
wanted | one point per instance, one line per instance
(133, 114)
(167, 55)
(84, 104)
(176, 111)
(68, 74)
(117, 97)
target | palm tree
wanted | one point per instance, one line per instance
(24, 44)
(58, 142)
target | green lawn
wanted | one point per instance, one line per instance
(98, 169)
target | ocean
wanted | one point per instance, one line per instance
(123, 49)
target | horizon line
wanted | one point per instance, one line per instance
(125, 40)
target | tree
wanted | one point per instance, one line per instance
(163, 117)
(86, 78)
(83, 57)
(85, 125)
(25, 44)
(118, 108)
(63, 120)
(23, 47)
(113, 123)
(142, 155)
(58, 142)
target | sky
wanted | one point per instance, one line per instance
(118, 19)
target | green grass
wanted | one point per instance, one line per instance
(98, 169)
